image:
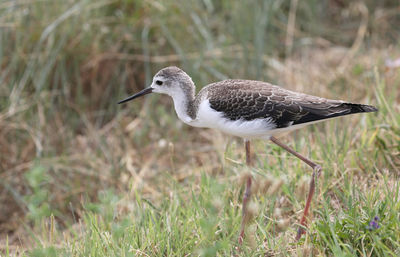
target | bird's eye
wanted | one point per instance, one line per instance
(159, 82)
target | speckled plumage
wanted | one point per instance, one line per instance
(249, 100)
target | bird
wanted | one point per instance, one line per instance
(249, 109)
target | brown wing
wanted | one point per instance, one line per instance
(248, 100)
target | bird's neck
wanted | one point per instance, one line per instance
(184, 105)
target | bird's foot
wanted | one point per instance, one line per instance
(300, 232)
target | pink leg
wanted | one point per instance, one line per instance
(316, 171)
(248, 153)
(246, 196)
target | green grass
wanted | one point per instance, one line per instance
(83, 176)
(202, 216)
(201, 213)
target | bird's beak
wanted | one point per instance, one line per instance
(141, 93)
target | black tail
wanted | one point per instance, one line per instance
(355, 108)
(335, 110)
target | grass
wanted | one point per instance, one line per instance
(197, 208)
(81, 176)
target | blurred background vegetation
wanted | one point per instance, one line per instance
(66, 146)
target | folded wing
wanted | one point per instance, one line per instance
(249, 100)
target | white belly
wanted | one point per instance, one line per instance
(209, 118)
(258, 128)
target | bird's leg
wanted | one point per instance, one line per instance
(247, 194)
(248, 153)
(316, 171)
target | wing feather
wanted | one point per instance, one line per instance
(249, 100)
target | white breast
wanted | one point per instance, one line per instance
(209, 118)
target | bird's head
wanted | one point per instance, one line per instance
(171, 81)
